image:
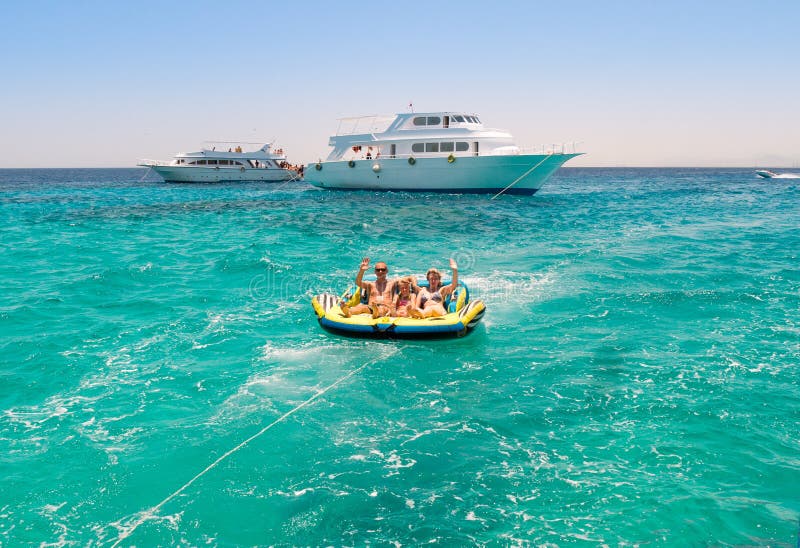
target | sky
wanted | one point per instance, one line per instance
(636, 83)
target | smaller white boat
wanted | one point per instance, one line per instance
(235, 164)
(772, 175)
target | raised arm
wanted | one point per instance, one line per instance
(360, 276)
(454, 282)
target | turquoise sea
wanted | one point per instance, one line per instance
(163, 379)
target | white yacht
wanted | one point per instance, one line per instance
(217, 165)
(432, 152)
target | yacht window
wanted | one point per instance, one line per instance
(419, 121)
(224, 162)
(212, 162)
(462, 147)
(418, 147)
(458, 118)
(201, 162)
(431, 147)
(446, 147)
(192, 163)
(235, 163)
(434, 120)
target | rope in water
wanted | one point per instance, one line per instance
(151, 512)
(146, 173)
(295, 177)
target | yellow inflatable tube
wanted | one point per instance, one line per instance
(462, 317)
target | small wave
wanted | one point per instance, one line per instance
(275, 266)
(471, 516)
(52, 508)
(34, 417)
(453, 427)
(271, 352)
(504, 288)
(123, 528)
(296, 493)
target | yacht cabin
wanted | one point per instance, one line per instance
(263, 158)
(418, 135)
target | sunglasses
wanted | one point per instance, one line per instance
(381, 269)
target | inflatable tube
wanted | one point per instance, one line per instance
(463, 315)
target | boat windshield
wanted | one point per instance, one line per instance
(364, 124)
(463, 118)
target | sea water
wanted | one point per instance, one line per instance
(163, 379)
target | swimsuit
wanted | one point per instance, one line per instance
(428, 296)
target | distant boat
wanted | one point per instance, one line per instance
(218, 166)
(772, 175)
(432, 152)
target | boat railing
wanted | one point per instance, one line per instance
(552, 148)
(543, 150)
(151, 163)
(249, 145)
(238, 151)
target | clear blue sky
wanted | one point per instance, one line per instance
(104, 84)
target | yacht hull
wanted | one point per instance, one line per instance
(465, 174)
(180, 174)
